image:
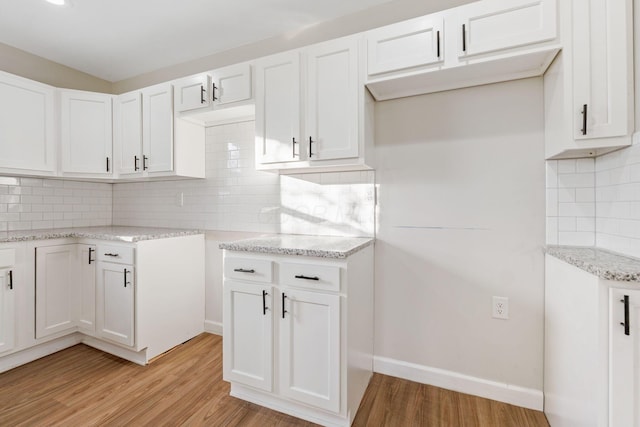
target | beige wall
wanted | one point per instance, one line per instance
(384, 14)
(21, 63)
(462, 219)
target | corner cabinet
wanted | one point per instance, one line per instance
(27, 127)
(150, 142)
(592, 348)
(86, 138)
(312, 110)
(589, 107)
(298, 332)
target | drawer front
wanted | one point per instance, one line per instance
(7, 257)
(255, 270)
(310, 276)
(118, 254)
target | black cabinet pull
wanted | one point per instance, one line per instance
(202, 100)
(311, 141)
(90, 252)
(125, 278)
(307, 277)
(264, 302)
(11, 279)
(107, 164)
(438, 44)
(626, 323)
(584, 119)
(135, 163)
(464, 37)
(293, 147)
(284, 296)
(144, 163)
(110, 254)
(215, 98)
(242, 270)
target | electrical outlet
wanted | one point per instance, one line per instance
(500, 308)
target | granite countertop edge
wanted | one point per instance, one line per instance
(121, 234)
(602, 263)
(256, 247)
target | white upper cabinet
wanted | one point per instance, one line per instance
(27, 127)
(224, 95)
(231, 84)
(331, 130)
(494, 25)
(278, 108)
(589, 89)
(86, 133)
(157, 124)
(312, 110)
(413, 43)
(128, 134)
(481, 42)
(192, 93)
(151, 142)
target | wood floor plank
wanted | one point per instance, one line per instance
(81, 386)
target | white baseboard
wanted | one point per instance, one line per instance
(502, 392)
(213, 327)
(30, 354)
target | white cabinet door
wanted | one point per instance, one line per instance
(493, 25)
(87, 288)
(115, 303)
(278, 108)
(407, 44)
(7, 317)
(331, 130)
(192, 93)
(27, 135)
(128, 134)
(602, 68)
(309, 350)
(157, 125)
(86, 132)
(624, 370)
(248, 334)
(57, 283)
(231, 84)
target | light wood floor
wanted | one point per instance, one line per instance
(81, 386)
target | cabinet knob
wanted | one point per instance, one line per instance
(584, 120)
(125, 278)
(311, 141)
(242, 270)
(91, 250)
(626, 324)
(284, 296)
(202, 91)
(136, 159)
(213, 87)
(301, 276)
(10, 279)
(264, 303)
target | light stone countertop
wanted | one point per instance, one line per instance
(599, 262)
(115, 233)
(312, 246)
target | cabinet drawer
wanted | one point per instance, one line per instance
(310, 276)
(7, 257)
(255, 270)
(119, 254)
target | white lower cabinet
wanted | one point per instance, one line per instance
(592, 349)
(134, 300)
(625, 358)
(309, 345)
(57, 288)
(248, 332)
(7, 299)
(115, 303)
(299, 340)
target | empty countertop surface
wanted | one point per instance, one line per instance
(599, 262)
(115, 233)
(303, 245)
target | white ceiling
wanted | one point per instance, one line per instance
(118, 39)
